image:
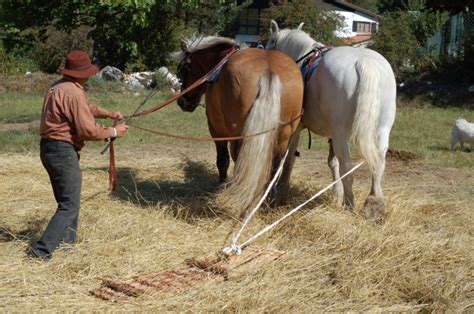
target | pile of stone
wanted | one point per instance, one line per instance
(139, 80)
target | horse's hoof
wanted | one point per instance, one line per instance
(374, 209)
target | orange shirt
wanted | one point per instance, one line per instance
(66, 115)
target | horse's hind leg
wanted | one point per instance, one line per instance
(280, 190)
(222, 160)
(333, 164)
(341, 150)
(374, 207)
(234, 149)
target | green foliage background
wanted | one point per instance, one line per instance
(128, 34)
(319, 22)
(139, 35)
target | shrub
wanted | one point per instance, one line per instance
(52, 48)
(10, 64)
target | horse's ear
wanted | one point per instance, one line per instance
(273, 27)
(300, 27)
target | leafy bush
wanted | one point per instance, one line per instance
(52, 48)
(10, 64)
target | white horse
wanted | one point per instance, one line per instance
(350, 96)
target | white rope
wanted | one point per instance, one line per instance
(238, 248)
(234, 247)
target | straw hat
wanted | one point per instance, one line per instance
(79, 65)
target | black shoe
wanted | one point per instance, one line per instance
(34, 254)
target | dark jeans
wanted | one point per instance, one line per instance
(61, 161)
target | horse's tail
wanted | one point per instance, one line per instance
(364, 128)
(254, 162)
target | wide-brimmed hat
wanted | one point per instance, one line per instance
(79, 65)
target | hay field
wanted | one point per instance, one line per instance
(420, 260)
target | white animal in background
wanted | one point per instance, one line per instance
(462, 132)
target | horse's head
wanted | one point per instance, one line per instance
(197, 57)
(293, 42)
(190, 69)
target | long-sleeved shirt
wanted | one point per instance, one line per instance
(67, 116)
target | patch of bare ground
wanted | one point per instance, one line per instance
(20, 127)
(163, 213)
(403, 155)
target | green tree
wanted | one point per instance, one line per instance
(319, 22)
(125, 33)
(425, 21)
(215, 18)
(370, 5)
(396, 40)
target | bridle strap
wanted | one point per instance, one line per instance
(306, 54)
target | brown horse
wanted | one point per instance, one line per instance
(256, 91)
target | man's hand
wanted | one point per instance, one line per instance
(116, 115)
(121, 130)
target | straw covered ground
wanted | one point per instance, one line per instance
(163, 213)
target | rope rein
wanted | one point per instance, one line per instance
(215, 139)
(237, 249)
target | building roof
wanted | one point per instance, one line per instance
(340, 4)
(357, 39)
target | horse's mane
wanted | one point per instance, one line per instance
(196, 43)
(296, 42)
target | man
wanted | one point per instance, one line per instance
(67, 121)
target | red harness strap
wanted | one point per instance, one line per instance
(112, 168)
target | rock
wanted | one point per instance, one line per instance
(471, 89)
(145, 79)
(133, 82)
(110, 73)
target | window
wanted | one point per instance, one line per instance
(248, 22)
(362, 27)
(374, 28)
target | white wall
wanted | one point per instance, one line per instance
(349, 17)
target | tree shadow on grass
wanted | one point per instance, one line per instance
(187, 199)
(296, 196)
(193, 197)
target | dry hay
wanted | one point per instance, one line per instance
(419, 260)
